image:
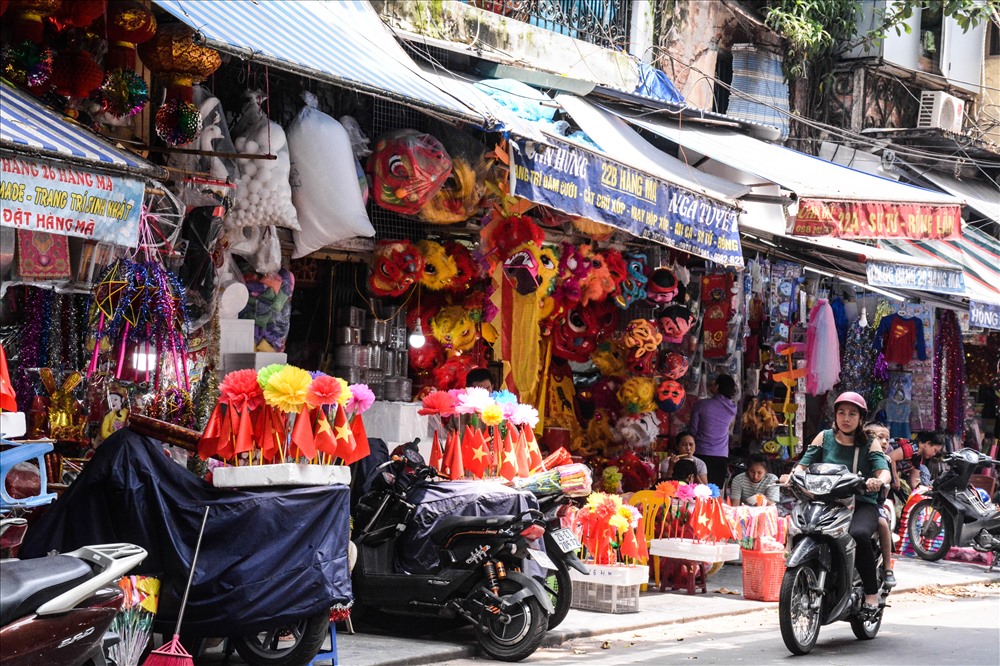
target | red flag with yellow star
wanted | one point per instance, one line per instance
(323, 433)
(361, 448)
(342, 433)
(208, 445)
(520, 452)
(506, 458)
(475, 455)
(436, 453)
(453, 458)
(534, 453)
(303, 439)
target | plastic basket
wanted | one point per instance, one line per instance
(762, 574)
(605, 598)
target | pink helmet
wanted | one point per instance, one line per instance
(852, 398)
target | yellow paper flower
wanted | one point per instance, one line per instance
(151, 587)
(287, 389)
(619, 522)
(345, 392)
(492, 414)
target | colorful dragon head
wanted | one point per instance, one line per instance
(440, 268)
(407, 169)
(454, 328)
(396, 266)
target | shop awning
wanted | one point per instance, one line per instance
(625, 182)
(980, 196)
(975, 252)
(30, 129)
(344, 43)
(833, 200)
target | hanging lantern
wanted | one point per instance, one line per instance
(28, 15)
(174, 56)
(80, 13)
(75, 74)
(128, 23)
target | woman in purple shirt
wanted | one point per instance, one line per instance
(711, 420)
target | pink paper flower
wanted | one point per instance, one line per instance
(685, 491)
(473, 400)
(525, 415)
(361, 399)
(241, 390)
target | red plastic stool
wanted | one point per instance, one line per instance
(683, 574)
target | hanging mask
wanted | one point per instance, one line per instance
(427, 357)
(440, 268)
(641, 338)
(468, 269)
(576, 338)
(548, 267)
(601, 395)
(407, 168)
(662, 286)
(521, 269)
(454, 328)
(597, 283)
(674, 321)
(675, 365)
(641, 365)
(397, 265)
(633, 286)
(670, 396)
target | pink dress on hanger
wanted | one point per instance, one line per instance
(822, 349)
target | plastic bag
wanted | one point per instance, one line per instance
(270, 307)
(263, 195)
(326, 192)
(214, 137)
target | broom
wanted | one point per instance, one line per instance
(173, 653)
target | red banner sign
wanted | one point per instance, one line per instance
(855, 219)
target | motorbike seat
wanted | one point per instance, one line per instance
(449, 524)
(27, 584)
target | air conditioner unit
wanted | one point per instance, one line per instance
(941, 110)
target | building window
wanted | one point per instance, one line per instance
(993, 39)
(930, 38)
(723, 74)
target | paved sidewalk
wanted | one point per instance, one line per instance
(655, 609)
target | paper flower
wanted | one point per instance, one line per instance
(345, 391)
(524, 415)
(507, 408)
(324, 390)
(241, 390)
(504, 396)
(287, 389)
(473, 400)
(703, 491)
(360, 400)
(619, 522)
(439, 402)
(492, 415)
(265, 373)
(685, 491)
(666, 489)
(715, 490)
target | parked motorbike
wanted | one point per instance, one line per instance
(954, 513)
(561, 545)
(56, 611)
(480, 579)
(821, 584)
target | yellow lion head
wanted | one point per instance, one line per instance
(439, 267)
(454, 328)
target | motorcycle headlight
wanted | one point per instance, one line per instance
(820, 485)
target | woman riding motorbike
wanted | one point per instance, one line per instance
(846, 444)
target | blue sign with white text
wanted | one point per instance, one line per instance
(984, 315)
(583, 183)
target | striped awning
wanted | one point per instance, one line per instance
(977, 253)
(343, 42)
(29, 128)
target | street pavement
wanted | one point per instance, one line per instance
(658, 609)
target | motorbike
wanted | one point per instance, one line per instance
(954, 513)
(821, 584)
(480, 579)
(561, 545)
(56, 611)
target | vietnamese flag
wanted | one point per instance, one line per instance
(507, 459)
(453, 458)
(303, 438)
(436, 453)
(640, 532)
(244, 432)
(208, 445)
(475, 453)
(534, 453)
(342, 434)
(8, 400)
(225, 448)
(520, 453)
(361, 448)
(323, 433)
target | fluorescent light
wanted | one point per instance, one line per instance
(887, 294)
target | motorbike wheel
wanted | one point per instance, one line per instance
(271, 648)
(929, 531)
(560, 588)
(799, 609)
(514, 634)
(865, 631)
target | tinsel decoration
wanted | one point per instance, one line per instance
(178, 122)
(949, 375)
(55, 357)
(857, 367)
(123, 93)
(881, 370)
(71, 315)
(208, 393)
(174, 405)
(27, 64)
(33, 344)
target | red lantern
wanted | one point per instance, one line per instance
(128, 23)
(75, 74)
(28, 16)
(80, 13)
(3, 6)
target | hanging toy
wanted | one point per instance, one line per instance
(407, 169)
(670, 396)
(123, 93)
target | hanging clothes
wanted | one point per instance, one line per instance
(949, 376)
(822, 349)
(840, 316)
(857, 372)
(900, 336)
(717, 301)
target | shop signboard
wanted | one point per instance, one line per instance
(873, 219)
(984, 315)
(61, 199)
(908, 276)
(583, 183)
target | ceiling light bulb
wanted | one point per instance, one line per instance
(417, 338)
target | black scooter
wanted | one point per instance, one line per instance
(480, 580)
(821, 584)
(954, 514)
(561, 545)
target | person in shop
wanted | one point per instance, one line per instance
(879, 433)
(685, 470)
(684, 450)
(756, 486)
(711, 422)
(480, 378)
(847, 444)
(909, 459)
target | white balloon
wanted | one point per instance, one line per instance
(252, 147)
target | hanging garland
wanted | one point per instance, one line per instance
(27, 64)
(123, 93)
(178, 122)
(949, 375)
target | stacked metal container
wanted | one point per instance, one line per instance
(374, 350)
(350, 356)
(398, 387)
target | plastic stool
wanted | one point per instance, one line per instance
(18, 454)
(332, 654)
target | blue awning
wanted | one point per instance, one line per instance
(343, 43)
(30, 128)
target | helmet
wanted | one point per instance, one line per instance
(852, 398)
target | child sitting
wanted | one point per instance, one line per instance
(685, 470)
(879, 432)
